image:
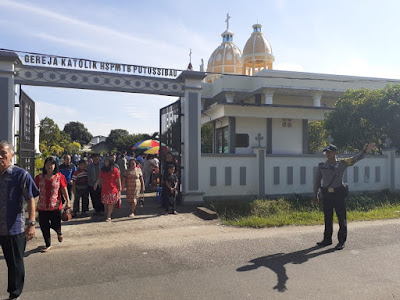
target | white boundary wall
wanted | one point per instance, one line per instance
(220, 163)
(222, 176)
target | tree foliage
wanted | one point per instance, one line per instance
(116, 138)
(365, 115)
(73, 148)
(121, 140)
(78, 132)
(317, 136)
(206, 138)
(50, 134)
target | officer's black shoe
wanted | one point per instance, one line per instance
(339, 246)
(324, 243)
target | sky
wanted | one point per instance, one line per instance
(344, 37)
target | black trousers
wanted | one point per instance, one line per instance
(84, 195)
(69, 189)
(47, 220)
(13, 249)
(170, 202)
(95, 195)
(335, 201)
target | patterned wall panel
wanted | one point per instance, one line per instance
(54, 77)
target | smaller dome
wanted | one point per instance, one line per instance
(257, 53)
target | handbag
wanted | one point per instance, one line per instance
(66, 215)
(141, 200)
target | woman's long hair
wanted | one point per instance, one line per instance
(110, 166)
(54, 162)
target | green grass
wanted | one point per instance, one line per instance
(298, 210)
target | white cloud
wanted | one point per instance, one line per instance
(68, 42)
(56, 112)
(95, 30)
(138, 113)
(357, 66)
(99, 127)
(64, 19)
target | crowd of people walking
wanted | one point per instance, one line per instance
(101, 179)
(104, 178)
(75, 180)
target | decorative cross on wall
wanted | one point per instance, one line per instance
(388, 142)
(259, 138)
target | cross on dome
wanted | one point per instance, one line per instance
(227, 21)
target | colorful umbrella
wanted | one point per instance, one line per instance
(155, 150)
(146, 144)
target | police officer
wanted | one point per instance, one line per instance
(334, 191)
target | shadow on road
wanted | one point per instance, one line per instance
(276, 262)
(152, 209)
(27, 253)
(33, 251)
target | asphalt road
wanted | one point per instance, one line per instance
(182, 257)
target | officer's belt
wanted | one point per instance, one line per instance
(331, 190)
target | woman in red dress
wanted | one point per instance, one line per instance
(111, 186)
(51, 185)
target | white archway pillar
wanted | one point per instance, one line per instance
(7, 95)
(191, 135)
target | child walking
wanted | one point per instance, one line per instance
(171, 183)
(80, 188)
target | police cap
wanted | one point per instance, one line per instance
(330, 148)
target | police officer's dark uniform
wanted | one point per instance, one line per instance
(334, 192)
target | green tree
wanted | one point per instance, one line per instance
(116, 138)
(78, 132)
(57, 149)
(365, 115)
(206, 138)
(50, 134)
(317, 136)
(73, 147)
(120, 140)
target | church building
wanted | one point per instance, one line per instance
(260, 120)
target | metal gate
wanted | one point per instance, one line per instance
(170, 135)
(26, 145)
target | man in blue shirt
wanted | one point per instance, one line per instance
(67, 169)
(16, 185)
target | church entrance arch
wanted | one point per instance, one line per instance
(53, 71)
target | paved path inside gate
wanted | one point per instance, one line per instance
(183, 257)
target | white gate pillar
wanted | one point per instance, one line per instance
(7, 95)
(191, 135)
(391, 168)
